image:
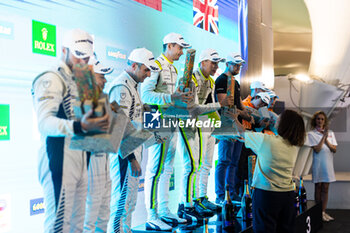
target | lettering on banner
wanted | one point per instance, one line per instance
(3, 130)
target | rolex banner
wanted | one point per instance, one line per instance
(44, 38)
(4, 122)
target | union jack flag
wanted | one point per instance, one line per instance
(205, 15)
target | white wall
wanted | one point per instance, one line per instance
(340, 123)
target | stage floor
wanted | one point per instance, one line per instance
(213, 225)
(341, 224)
(307, 221)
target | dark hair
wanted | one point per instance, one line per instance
(166, 45)
(313, 119)
(129, 62)
(291, 127)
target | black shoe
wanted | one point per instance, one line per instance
(191, 215)
(202, 210)
(180, 210)
(210, 205)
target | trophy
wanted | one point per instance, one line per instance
(187, 110)
(231, 88)
(134, 137)
(90, 97)
(228, 129)
(185, 85)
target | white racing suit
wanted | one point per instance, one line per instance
(99, 193)
(192, 146)
(189, 147)
(62, 172)
(124, 185)
(157, 90)
(205, 95)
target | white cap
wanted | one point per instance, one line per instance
(259, 85)
(79, 42)
(144, 56)
(235, 58)
(99, 68)
(264, 97)
(175, 38)
(211, 55)
(272, 94)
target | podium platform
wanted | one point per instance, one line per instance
(214, 225)
(310, 220)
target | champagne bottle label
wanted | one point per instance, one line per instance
(227, 210)
(246, 205)
(302, 196)
(296, 199)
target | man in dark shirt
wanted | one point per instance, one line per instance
(229, 150)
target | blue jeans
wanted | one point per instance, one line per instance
(273, 211)
(229, 153)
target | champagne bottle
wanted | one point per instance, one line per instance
(247, 210)
(206, 229)
(296, 200)
(302, 194)
(227, 210)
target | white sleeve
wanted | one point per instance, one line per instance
(122, 96)
(148, 93)
(212, 105)
(331, 138)
(311, 139)
(48, 91)
(254, 140)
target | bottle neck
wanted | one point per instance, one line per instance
(228, 198)
(246, 187)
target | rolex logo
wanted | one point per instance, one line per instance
(44, 33)
(43, 45)
(44, 38)
(3, 130)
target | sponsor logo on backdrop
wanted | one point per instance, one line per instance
(6, 30)
(172, 182)
(5, 213)
(116, 54)
(3, 131)
(4, 122)
(44, 38)
(142, 185)
(37, 206)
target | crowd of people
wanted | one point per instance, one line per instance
(97, 192)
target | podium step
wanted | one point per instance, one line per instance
(308, 221)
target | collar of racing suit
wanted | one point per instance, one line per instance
(131, 78)
(65, 68)
(211, 80)
(166, 59)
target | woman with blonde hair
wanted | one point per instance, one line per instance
(324, 145)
